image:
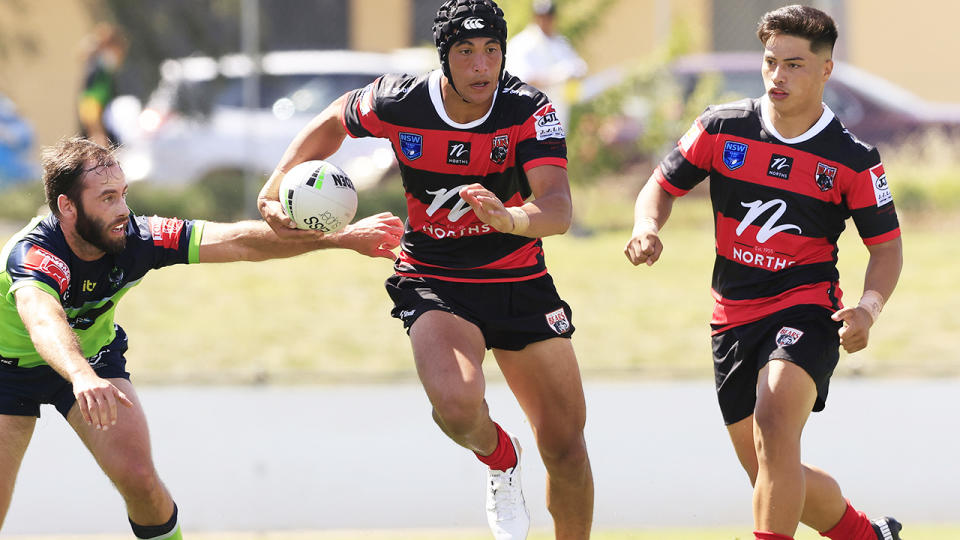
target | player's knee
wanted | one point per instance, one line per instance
(563, 451)
(458, 415)
(773, 438)
(137, 480)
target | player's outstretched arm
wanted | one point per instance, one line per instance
(650, 212)
(883, 272)
(373, 236)
(549, 213)
(319, 139)
(45, 320)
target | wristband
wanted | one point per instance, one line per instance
(521, 220)
(872, 302)
(645, 222)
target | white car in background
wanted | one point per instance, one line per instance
(195, 124)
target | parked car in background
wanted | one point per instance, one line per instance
(872, 108)
(196, 125)
(16, 145)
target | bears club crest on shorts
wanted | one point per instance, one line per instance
(788, 336)
(557, 320)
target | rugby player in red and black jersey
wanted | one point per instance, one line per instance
(61, 279)
(784, 176)
(474, 144)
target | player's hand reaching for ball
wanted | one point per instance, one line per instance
(286, 229)
(488, 208)
(645, 245)
(373, 236)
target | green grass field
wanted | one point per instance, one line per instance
(324, 316)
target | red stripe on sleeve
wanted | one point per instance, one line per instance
(559, 162)
(886, 237)
(666, 185)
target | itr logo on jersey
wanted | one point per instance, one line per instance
(411, 144)
(825, 176)
(458, 153)
(734, 154)
(499, 148)
(788, 336)
(557, 320)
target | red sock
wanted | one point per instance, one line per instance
(853, 525)
(762, 535)
(504, 456)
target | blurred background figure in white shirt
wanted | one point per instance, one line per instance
(545, 59)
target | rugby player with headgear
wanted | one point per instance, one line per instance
(483, 162)
(784, 177)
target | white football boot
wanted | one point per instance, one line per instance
(507, 512)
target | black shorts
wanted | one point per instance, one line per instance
(802, 335)
(510, 315)
(22, 390)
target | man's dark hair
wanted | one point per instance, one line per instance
(64, 164)
(799, 21)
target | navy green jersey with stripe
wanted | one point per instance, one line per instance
(443, 238)
(779, 206)
(39, 256)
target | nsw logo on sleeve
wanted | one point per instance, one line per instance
(788, 336)
(734, 154)
(48, 264)
(411, 144)
(880, 188)
(557, 320)
(547, 124)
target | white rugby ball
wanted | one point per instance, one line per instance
(317, 195)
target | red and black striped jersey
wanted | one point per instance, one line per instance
(779, 206)
(443, 238)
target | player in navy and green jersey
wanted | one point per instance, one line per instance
(784, 177)
(61, 280)
(483, 161)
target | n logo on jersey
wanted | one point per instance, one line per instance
(557, 320)
(780, 166)
(442, 196)
(499, 148)
(788, 336)
(825, 176)
(734, 154)
(769, 228)
(458, 153)
(411, 144)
